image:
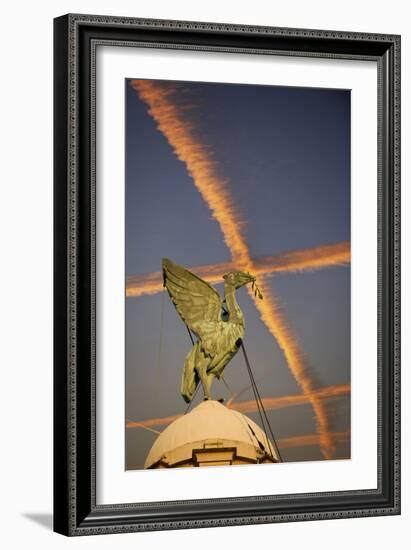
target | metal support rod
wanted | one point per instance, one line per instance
(260, 403)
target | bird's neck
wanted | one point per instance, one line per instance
(235, 313)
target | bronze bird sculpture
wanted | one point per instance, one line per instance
(218, 324)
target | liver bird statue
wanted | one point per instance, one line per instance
(218, 324)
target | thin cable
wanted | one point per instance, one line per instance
(189, 405)
(227, 386)
(263, 409)
(196, 390)
(260, 403)
(191, 336)
(160, 346)
(259, 408)
(254, 388)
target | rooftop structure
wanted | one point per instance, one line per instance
(211, 435)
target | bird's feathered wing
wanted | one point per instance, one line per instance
(197, 302)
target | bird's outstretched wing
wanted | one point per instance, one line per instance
(197, 302)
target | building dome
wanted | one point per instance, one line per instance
(211, 434)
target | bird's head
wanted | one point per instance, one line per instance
(237, 279)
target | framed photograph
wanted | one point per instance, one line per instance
(227, 278)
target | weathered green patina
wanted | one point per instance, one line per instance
(218, 324)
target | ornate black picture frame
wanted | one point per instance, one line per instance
(76, 38)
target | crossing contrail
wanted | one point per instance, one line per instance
(274, 320)
(274, 403)
(310, 440)
(309, 259)
(180, 133)
(249, 406)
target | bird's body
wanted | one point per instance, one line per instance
(219, 326)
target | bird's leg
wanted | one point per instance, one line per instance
(189, 380)
(202, 363)
(207, 380)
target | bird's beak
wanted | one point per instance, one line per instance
(256, 290)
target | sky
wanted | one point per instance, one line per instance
(279, 157)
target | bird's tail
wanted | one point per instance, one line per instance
(190, 379)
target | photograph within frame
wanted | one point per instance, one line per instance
(245, 177)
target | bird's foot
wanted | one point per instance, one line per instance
(221, 400)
